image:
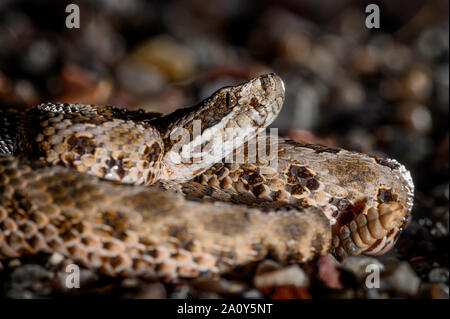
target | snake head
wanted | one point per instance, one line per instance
(202, 135)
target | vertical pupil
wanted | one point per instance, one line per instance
(227, 99)
(264, 83)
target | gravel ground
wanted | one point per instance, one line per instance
(380, 91)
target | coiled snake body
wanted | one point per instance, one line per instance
(164, 203)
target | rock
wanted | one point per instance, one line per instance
(25, 92)
(29, 281)
(435, 291)
(86, 277)
(172, 59)
(349, 95)
(40, 56)
(31, 272)
(360, 139)
(401, 278)
(56, 259)
(291, 275)
(20, 294)
(302, 106)
(308, 136)
(252, 294)
(83, 86)
(414, 116)
(360, 266)
(207, 295)
(287, 292)
(267, 265)
(152, 291)
(14, 263)
(218, 285)
(373, 294)
(138, 80)
(433, 42)
(439, 230)
(129, 283)
(181, 292)
(389, 259)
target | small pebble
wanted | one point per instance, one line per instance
(438, 275)
(130, 283)
(152, 291)
(328, 273)
(13, 263)
(218, 285)
(435, 291)
(181, 292)
(291, 275)
(252, 294)
(31, 272)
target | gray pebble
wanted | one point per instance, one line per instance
(181, 293)
(152, 291)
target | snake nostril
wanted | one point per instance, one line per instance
(265, 82)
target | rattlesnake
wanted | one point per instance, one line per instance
(164, 206)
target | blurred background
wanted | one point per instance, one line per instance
(381, 91)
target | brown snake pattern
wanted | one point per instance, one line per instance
(206, 215)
